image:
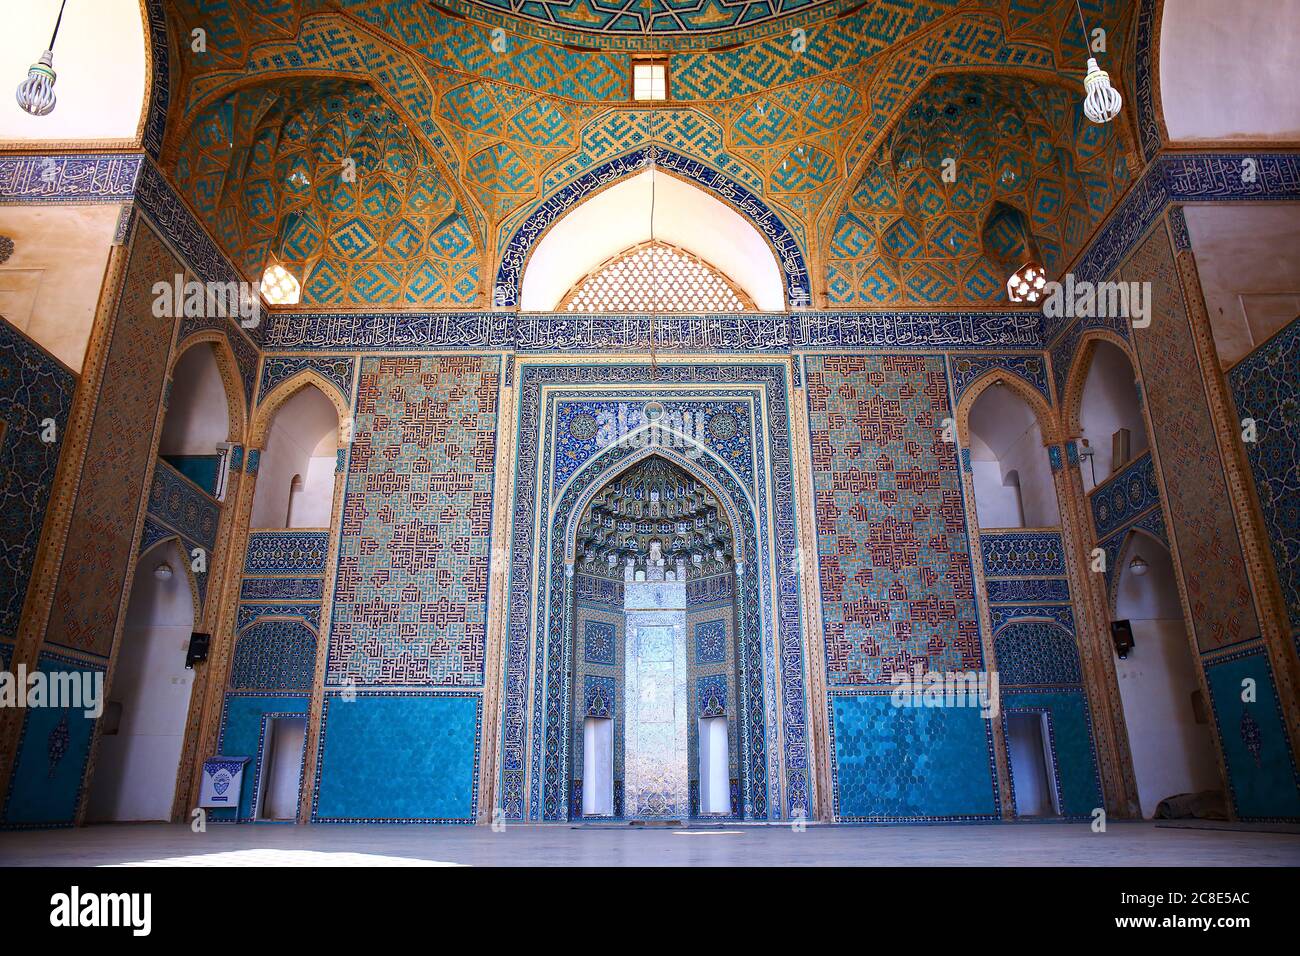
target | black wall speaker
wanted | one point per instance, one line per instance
(198, 652)
(1121, 633)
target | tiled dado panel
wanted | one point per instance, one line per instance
(33, 387)
(1209, 550)
(1265, 385)
(241, 736)
(1262, 778)
(410, 601)
(388, 756)
(1075, 761)
(892, 548)
(50, 766)
(118, 460)
(910, 763)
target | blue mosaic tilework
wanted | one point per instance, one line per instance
(1026, 590)
(710, 642)
(274, 655)
(711, 696)
(50, 764)
(241, 736)
(584, 429)
(1120, 499)
(160, 67)
(177, 503)
(598, 696)
(1072, 745)
(910, 763)
(1265, 385)
(896, 582)
(1062, 614)
(1035, 652)
(248, 613)
(336, 371)
(598, 642)
(1262, 774)
(253, 461)
(33, 386)
(1015, 553)
(388, 757)
(287, 552)
(281, 589)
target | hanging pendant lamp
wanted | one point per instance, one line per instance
(1101, 101)
(36, 93)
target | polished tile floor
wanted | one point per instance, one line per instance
(1048, 844)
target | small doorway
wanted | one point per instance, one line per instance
(285, 739)
(1033, 773)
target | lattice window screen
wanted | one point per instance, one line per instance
(655, 277)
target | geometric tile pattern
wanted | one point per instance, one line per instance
(710, 642)
(599, 642)
(176, 502)
(1125, 496)
(1265, 385)
(895, 578)
(1214, 571)
(411, 592)
(1034, 652)
(297, 553)
(33, 387)
(117, 459)
(336, 371)
(711, 696)
(274, 655)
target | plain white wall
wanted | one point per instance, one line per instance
(282, 768)
(1109, 402)
(1026, 744)
(197, 418)
(618, 218)
(303, 440)
(100, 61)
(598, 767)
(135, 771)
(1172, 753)
(1228, 70)
(715, 788)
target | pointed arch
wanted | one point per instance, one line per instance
(610, 472)
(228, 368)
(518, 251)
(1077, 377)
(1047, 419)
(189, 571)
(269, 404)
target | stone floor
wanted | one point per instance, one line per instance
(1049, 844)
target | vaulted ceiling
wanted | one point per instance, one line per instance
(495, 125)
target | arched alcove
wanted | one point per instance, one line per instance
(1010, 469)
(655, 667)
(196, 426)
(616, 219)
(1166, 716)
(1227, 71)
(143, 725)
(301, 441)
(1110, 415)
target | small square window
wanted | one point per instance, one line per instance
(649, 81)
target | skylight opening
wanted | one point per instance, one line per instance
(649, 81)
